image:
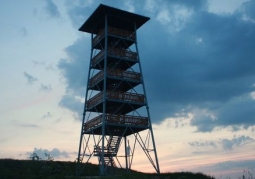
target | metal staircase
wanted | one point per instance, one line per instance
(113, 144)
(110, 152)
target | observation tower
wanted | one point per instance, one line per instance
(116, 116)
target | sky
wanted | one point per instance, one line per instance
(198, 63)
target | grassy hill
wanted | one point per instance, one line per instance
(28, 169)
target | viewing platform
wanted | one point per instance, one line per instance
(120, 121)
(128, 79)
(115, 55)
(114, 33)
(118, 101)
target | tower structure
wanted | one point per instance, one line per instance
(116, 113)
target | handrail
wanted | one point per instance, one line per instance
(99, 76)
(122, 53)
(128, 75)
(95, 99)
(92, 123)
(121, 32)
(114, 31)
(107, 151)
(111, 95)
(97, 58)
(126, 54)
(116, 119)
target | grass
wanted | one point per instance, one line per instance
(32, 169)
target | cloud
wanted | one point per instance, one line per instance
(72, 103)
(38, 63)
(56, 153)
(45, 88)
(232, 165)
(201, 143)
(214, 74)
(74, 70)
(29, 125)
(237, 112)
(50, 66)
(30, 79)
(51, 9)
(204, 68)
(155, 6)
(79, 11)
(247, 10)
(25, 125)
(130, 5)
(47, 115)
(174, 15)
(228, 145)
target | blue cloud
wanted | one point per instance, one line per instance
(228, 145)
(233, 165)
(70, 102)
(45, 88)
(30, 79)
(207, 65)
(51, 9)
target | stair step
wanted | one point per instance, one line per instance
(111, 151)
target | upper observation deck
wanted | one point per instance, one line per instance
(115, 17)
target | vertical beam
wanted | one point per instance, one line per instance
(126, 157)
(146, 102)
(86, 96)
(102, 166)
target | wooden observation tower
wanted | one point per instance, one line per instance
(116, 114)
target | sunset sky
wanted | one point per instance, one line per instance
(198, 60)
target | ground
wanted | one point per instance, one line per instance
(40, 169)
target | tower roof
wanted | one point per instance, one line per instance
(116, 17)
